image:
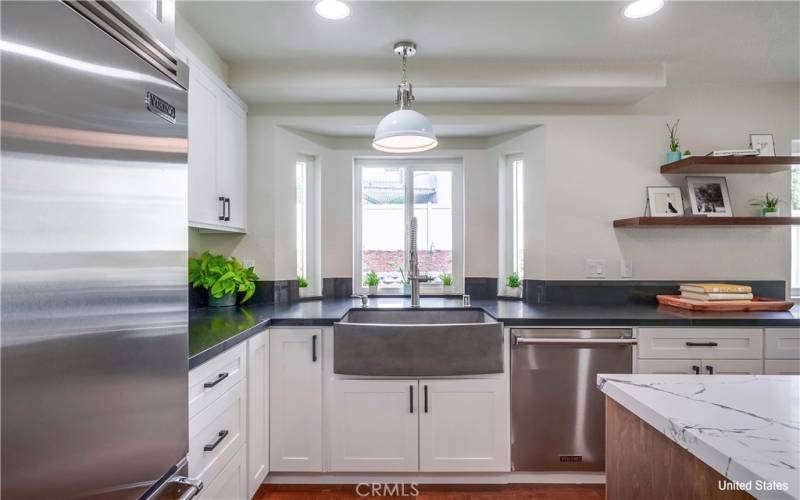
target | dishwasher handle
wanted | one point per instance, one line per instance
(523, 340)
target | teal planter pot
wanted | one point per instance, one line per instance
(673, 156)
(224, 301)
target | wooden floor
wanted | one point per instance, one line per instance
(438, 492)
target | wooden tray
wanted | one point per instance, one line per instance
(757, 304)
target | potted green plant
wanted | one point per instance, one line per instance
(223, 278)
(302, 284)
(674, 153)
(372, 281)
(513, 285)
(768, 204)
(447, 283)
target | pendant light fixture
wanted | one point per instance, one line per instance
(404, 130)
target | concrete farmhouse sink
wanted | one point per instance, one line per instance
(417, 343)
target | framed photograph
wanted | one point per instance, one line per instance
(665, 201)
(709, 196)
(763, 143)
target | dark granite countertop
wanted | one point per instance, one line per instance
(214, 330)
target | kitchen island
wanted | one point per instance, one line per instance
(699, 436)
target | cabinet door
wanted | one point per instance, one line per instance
(257, 411)
(373, 426)
(232, 160)
(668, 366)
(231, 482)
(295, 390)
(782, 343)
(464, 426)
(733, 366)
(782, 367)
(204, 205)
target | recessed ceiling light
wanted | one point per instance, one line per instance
(332, 9)
(643, 8)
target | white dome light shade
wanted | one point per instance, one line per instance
(404, 131)
(643, 8)
(332, 9)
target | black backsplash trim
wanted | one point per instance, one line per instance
(625, 292)
(281, 292)
(481, 288)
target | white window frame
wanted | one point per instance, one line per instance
(794, 284)
(310, 251)
(510, 238)
(410, 165)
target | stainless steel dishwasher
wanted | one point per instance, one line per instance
(557, 412)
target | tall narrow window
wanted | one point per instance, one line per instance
(512, 219)
(307, 228)
(387, 194)
(795, 232)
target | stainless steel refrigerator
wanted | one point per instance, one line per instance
(94, 247)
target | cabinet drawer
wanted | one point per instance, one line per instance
(217, 433)
(703, 343)
(782, 343)
(782, 367)
(210, 380)
(231, 482)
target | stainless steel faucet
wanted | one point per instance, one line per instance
(413, 265)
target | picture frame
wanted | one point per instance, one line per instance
(665, 201)
(709, 196)
(763, 143)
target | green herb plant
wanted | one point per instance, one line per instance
(674, 143)
(447, 279)
(769, 203)
(513, 280)
(222, 276)
(372, 279)
(302, 282)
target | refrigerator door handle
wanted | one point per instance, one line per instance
(194, 486)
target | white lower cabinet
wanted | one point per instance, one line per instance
(231, 482)
(782, 367)
(295, 382)
(373, 426)
(670, 366)
(733, 366)
(257, 411)
(464, 426)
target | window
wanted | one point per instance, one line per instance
(306, 233)
(387, 194)
(795, 232)
(512, 218)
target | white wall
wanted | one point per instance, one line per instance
(585, 167)
(198, 46)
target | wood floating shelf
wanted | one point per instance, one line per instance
(731, 165)
(706, 221)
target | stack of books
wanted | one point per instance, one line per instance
(716, 292)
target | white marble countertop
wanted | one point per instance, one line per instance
(746, 427)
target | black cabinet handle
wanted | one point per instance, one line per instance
(313, 348)
(710, 369)
(696, 369)
(222, 376)
(425, 387)
(210, 447)
(701, 344)
(228, 213)
(411, 398)
(222, 200)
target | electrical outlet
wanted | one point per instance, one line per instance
(626, 268)
(595, 268)
(248, 263)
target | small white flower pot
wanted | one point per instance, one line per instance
(776, 213)
(514, 292)
(447, 289)
(305, 292)
(373, 289)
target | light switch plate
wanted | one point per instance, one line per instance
(626, 268)
(595, 268)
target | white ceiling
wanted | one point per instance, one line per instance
(282, 52)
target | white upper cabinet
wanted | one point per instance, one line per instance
(373, 426)
(295, 392)
(157, 17)
(217, 151)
